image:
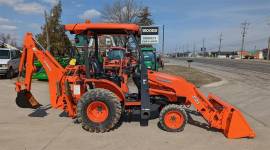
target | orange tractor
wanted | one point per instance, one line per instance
(97, 102)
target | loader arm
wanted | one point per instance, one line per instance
(217, 113)
(55, 72)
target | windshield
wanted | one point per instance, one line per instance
(148, 56)
(116, 54)
(4, 54)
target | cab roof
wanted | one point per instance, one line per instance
(102, 28)
(148, 49)
(5, 49)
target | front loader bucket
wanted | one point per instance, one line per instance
(25, 99)
(233, 122)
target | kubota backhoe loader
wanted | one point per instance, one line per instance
(92, 97)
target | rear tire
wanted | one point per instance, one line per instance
(99, 110)
(173, 118)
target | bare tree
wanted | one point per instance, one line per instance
(7, 39)
(122, 11)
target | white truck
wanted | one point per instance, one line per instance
(9, 62)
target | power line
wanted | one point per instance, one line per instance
(244, 27)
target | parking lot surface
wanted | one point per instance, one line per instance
(49, 129)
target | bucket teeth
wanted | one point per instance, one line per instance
(25, 99)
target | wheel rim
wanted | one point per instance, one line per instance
(173, 119)
(97, 112)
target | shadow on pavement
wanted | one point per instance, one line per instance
(41, 111)
(197, 123)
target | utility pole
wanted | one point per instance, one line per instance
(220, 40)
(244, 32)
(203, 47)
(187, 47)
(183, 48)
(268, 53)
(47, 32)
(194, 49)
(163, 28)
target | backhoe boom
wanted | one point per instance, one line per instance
(54, 70)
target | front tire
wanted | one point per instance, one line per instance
(99, 110)
(10, 73)
(173, 118)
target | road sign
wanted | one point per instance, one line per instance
(149, 35)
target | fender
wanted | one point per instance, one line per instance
(106, 84)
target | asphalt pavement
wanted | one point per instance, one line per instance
(245, 64)
(49, 129)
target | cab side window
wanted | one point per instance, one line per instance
(15, 54)
(18, 54)
(12, 54)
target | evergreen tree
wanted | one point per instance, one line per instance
(144, 17)
(58, 40)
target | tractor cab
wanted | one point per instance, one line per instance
(150, 58)
(116, 61)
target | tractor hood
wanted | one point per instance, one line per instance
(163, 77)
(149, 64)
(172, 82)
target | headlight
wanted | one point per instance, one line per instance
(4, 65)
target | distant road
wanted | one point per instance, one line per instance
(249, 65)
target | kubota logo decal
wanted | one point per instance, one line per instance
(196, 99)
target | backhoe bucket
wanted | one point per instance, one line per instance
(233, 122)
(25, 99)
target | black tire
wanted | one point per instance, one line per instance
(10, 73)
(109, 99)
(169, 108)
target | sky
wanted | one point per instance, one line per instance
(187, 22)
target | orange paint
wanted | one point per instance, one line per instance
(173, 119)
(97, 112)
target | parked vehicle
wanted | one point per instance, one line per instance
(152, 60)
(9, 62)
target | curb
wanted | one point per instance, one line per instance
(216, 84)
